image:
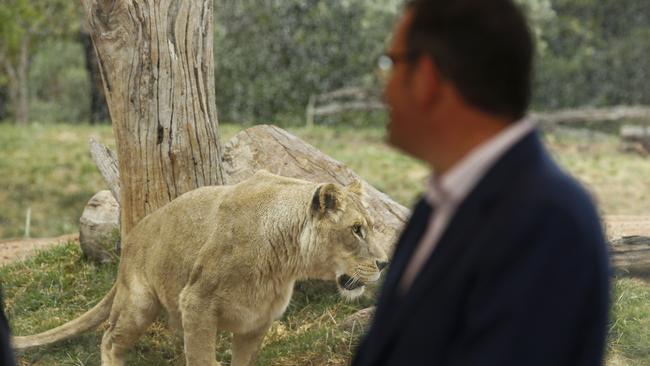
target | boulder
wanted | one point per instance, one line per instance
(99, 233)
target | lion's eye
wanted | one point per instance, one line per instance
(357, 230)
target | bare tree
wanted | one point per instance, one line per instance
(157, 65)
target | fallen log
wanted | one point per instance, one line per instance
(591, 114)
(630, 256)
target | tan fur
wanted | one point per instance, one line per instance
(227, 258)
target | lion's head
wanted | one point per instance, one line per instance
(344, 235)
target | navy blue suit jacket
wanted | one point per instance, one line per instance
(519, 277)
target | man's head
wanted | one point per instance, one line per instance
(451, 56)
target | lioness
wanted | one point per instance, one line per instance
(227, 258)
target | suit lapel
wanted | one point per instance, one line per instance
(457, 236)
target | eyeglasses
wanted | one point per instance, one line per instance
(388, 60)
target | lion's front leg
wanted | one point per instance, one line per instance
(199, 323)
(245, 346)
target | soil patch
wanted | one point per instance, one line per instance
(12, 250)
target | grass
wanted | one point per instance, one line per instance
(48, 168)
(629, 339)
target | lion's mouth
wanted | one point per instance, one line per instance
(349, 283)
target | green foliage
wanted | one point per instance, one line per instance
(596, 54)
(59, 83)
(271, 56)
(24, 26)
(36, 21)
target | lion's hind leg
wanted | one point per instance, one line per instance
(130, 317)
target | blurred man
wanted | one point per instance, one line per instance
(503, 260)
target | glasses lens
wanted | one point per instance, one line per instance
(384, 63)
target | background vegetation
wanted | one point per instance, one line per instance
(272, 55)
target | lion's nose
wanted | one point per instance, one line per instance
(381, 265)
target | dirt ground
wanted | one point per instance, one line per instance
(13, 250)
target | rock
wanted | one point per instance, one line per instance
(99, 233)
(358, 323)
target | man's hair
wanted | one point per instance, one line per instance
(484, 47)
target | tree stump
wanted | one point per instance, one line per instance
(99, 228)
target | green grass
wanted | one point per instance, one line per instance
(618, 180)
(48, 168)
(629, 339)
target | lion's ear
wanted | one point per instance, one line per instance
(356, 187)
(328, 198)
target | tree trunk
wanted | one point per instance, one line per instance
(22, 104)
(17, 72)
(3, 102)
(156, 62)
(98, 107)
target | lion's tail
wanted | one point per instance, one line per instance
(87, 321)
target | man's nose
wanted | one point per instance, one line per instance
(381, 265)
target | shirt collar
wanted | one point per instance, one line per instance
(453, 186)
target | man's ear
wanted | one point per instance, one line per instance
(328, 198)
(426, 81)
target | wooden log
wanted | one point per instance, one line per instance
(635, 138)
(106, 161)
(630, 256)
(367, 105)
(271, 148)
(589, 114)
